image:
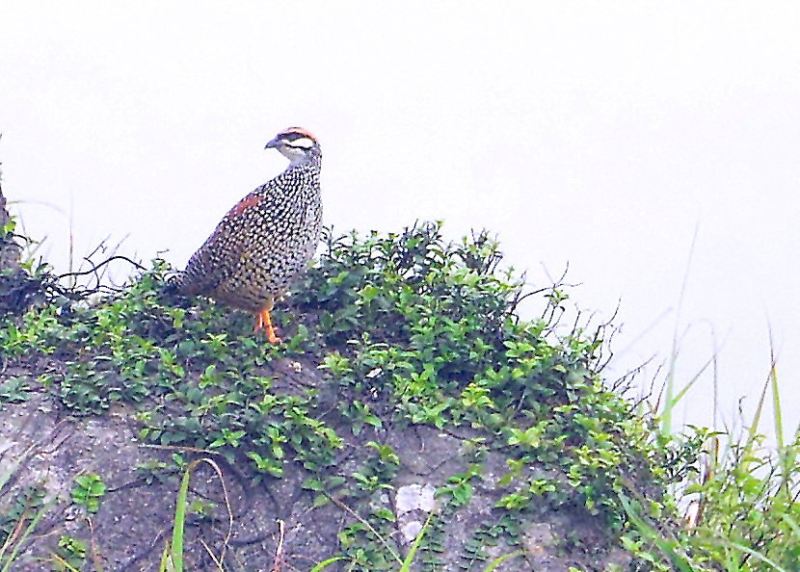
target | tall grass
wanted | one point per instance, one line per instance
(28, 520)
(743, 512)
(172, 557)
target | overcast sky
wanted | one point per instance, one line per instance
(599, 134)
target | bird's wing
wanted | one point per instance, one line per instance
(219, 256)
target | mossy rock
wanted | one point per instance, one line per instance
(408, 394)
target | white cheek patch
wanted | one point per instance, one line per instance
(302, 143)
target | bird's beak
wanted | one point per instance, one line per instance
(274, 143)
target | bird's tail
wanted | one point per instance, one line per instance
(175, 284)
(185, 283)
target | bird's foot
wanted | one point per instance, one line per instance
(264, 322)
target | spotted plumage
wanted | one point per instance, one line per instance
(267, 239)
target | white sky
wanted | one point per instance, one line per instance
(595, 133)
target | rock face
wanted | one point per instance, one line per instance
(133, 523)
(17, 288)
(9, 250)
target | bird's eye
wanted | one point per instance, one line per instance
(301, 143)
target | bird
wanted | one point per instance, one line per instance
(266, 241)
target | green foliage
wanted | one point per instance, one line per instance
(743, 513)
(410, 328)
(7, 230)
(431, 326)
(547, 490)
(14, 390)
(459, 487)
(154, 470)
(16, 527)
(378, 471)
(407, 329)
(88, 491)
(505, 529)
(23, 505)
(72, 551)
(741, 498)
(196, 377)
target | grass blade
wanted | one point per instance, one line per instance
(412, 552)
(677, 560)
(64, 564)
(669, 402)
(793, 525)
(776, 398)
(28, 530)
(164, 565)
(752, 431)
(367, 525)
(175, 560)
(499, 560)
(786, 454)
(754, 553)
(325, 563)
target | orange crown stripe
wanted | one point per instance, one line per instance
(301, 131)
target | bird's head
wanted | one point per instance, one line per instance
(295, 143)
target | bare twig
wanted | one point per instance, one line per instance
(226, 497)
(96, 267)
(180, 449)
(211, 554)
(279, 561)
(96, 560)
(369, 527)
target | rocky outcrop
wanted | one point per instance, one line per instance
(9, 249)
(408, 409)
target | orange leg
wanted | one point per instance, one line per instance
(264, 322)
